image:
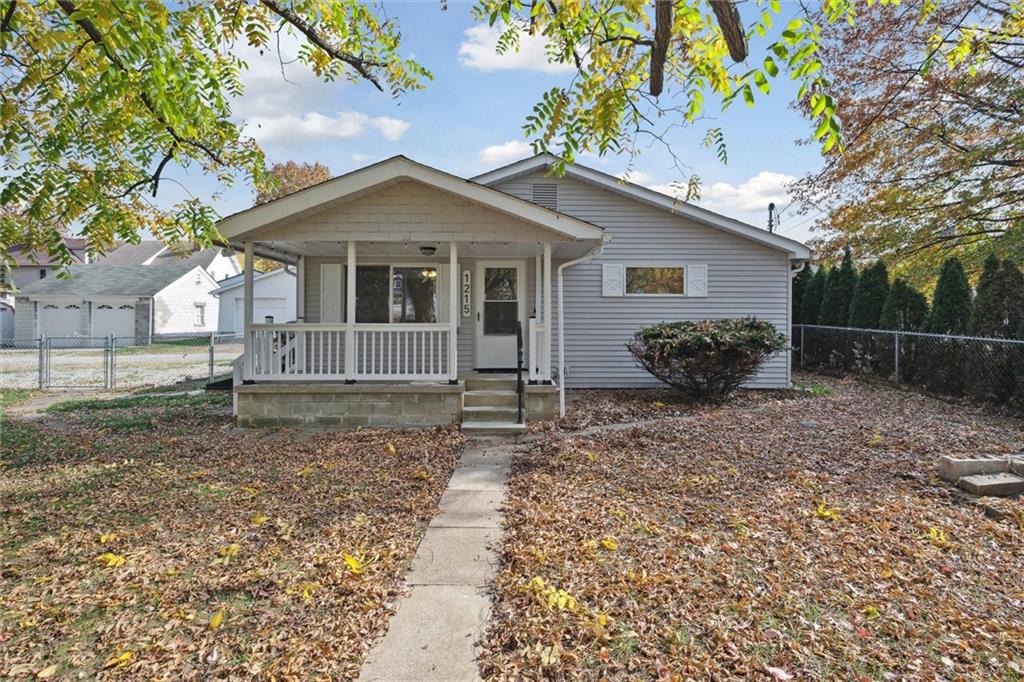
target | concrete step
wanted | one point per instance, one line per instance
(993, 484)
(952, 469)
(490, 398)
(491, 382)
(492, 428)
(490, 413)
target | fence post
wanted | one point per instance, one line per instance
(110, 362)
(113, 361)
(211, 355)
(896, 345)
(42, 362)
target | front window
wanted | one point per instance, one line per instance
(200, 314)
(387, 293)
(42, 273)
(656, 281)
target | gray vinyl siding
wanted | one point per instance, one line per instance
(744, 279)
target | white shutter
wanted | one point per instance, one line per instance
(444, 286)
(331, 292)
(613, 279)
(697, 280)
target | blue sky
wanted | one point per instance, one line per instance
(469, 120)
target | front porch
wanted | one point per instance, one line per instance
(412, 286)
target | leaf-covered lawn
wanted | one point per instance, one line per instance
(806, 538)
(148, 538)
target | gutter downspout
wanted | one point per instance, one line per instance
(561, 326)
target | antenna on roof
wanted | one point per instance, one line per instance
(773, 217)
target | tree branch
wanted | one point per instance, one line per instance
(659, 51)
(362, 66)
(732, 30)
(5, 23)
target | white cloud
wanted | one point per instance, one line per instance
(676, 191)
(478, 51)
(637, 177)
(314, 126)
(753, 195)
(362, 157)
(506, 152)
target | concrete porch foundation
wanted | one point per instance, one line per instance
(348, 406)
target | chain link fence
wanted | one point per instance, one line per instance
(116, 361)
(982, 368)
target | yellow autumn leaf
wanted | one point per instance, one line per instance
(119, 660)
(876, 440)
(306, 471)
(217, 620)
(872, 613)
(422, 474)
(588, 545)
(250, 489)
(823, 511)
(937, 537)
(390, 447)
(172, 571)
(354, 564)
(47, 672)
(259, 519)
(610, 544)
(111, 560)
(658, 404)
(107, 537)
(591, 457)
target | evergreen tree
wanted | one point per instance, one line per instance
(800, 283)
(835, 303)
(986, 317)
(812, 297)
(1009, 292)
(951, 304)
(905, 308)
(869, 296)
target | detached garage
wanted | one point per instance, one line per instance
(274, 295)
(127, 301)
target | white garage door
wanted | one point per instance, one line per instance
(58, 319)
(277, 307)
(118, 320)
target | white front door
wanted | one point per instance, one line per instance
(500, 304)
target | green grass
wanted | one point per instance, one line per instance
(9, 396)
(817, 390)
(145, 401)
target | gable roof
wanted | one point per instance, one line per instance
(236, 281)
(25, 258)
(399, 168)
(152, 252)
(85, 281)
(794, 248)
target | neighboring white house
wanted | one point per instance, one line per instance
(274, 296)
(214, 260)
(136, 301)
(413, 283)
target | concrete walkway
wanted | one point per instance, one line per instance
(435, 627)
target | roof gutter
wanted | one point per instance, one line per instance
(561, 326)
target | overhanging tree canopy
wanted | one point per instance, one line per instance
(98, 98)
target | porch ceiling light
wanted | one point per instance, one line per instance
(428, 250)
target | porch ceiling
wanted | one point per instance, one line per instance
(288, 250)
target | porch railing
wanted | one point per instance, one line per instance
(342, 352)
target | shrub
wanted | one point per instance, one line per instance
(869, 296)
(706, 360)
(951, 305)
(905, 309)
(985, 316)
(811, 303)
(835, 303)
(800, 282)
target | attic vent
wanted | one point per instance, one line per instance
(545, 194)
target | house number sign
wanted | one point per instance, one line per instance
(467, 290)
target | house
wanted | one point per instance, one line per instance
(274, 295)
(28, 267)
(415, 287)
(218, 264)
(137, 302)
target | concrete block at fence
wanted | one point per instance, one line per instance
(993, 484)
(952, 469)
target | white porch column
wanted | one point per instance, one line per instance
(247, 307)
(350, 315)
(545, 357)
(453, 313)
(300, 289)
